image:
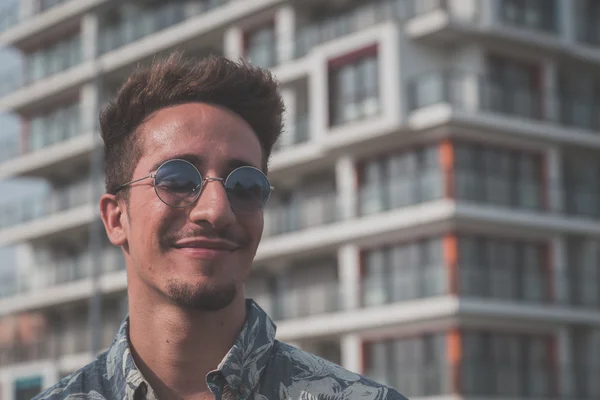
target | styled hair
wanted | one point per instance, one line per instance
(249, 91)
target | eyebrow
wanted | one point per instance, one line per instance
(231, 163)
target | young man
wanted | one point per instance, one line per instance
(186, 149)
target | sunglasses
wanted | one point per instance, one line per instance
(178, 183)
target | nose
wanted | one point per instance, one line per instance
(213, 205)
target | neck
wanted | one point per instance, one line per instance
(174, 348)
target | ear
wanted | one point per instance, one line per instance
(112, 216)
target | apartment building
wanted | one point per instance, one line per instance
(437, 220)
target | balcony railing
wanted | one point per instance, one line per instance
(505, 192)
(537, 16)
(357, 19)
(56, 344)
(490, 379)
(413, 381)
(509, 380)
(59, 127)
(10, 13)
(33, 208)
(303, 302)
(42, 64)
(484, 94)
(9, 149)
(297, 133)
(302, 213)
(507, 285)
(21, 353)
(318, 210)
(61, 271)
(147, 21)
(398, 192)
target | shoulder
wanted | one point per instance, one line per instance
(85, 383)
(304, 372)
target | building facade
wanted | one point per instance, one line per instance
(436, 224)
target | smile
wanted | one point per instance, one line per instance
(205, 248)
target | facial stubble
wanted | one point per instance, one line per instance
(202, 296)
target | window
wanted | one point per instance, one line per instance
(400, 179)
(415, 365)
(54, 58)
(587, 14)
(584, 271)
(261, 46)
(27, 388)
(498, 176)
(513, 88)
(586, 363)
(44, 5)
(502, 269)
(532, 14)
(403, 272)
(55, 126)
(581, 185)
(506, 364)
(579, 98)
(354, 89)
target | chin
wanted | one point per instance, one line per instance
(202, 295)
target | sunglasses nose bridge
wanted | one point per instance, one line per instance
(210, 178)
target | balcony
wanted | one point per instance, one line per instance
(62, 211)
(9, 14)
(489, 379)
(354, 20)
(532, 15)
(58, 344)
(144, 21)
(497, 191)
(45, 131)
(399, 192)
(51, 273)
(479, 291)
(58, 281)
(311, 300)
(295, 134)
(9, 149)
(415, 381)
(300, 214)
(58, 201)
(42, 65)
(508, 380)
(482, 100)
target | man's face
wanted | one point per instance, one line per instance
(216, 141)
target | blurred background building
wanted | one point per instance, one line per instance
(437, 219)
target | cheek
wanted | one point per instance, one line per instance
(254, 228)
(148, 222)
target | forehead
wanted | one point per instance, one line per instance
(210, 132)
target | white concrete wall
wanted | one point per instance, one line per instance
(8, 376)
(349, 275)
(285, 28)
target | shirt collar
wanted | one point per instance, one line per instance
(241, 367)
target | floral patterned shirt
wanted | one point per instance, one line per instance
(257, 367)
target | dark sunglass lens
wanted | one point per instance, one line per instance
(248, 189)
(177, 183)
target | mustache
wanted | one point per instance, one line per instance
(170, 238)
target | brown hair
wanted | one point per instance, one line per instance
(248, 91)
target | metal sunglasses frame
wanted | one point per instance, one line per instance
(203, 181)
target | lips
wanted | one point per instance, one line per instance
(204, 243)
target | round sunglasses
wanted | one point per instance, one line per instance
(178, 183)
